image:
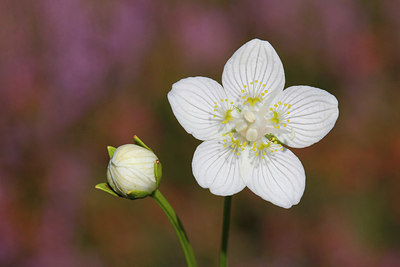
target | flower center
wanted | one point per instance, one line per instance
(251, 123)
(253, 120)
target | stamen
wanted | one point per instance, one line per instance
(252, 134)
(250, 117)
(228, 116)
(275, 118)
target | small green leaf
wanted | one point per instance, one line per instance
(137, 194)
(104, 187)
(140, 142)
(111, 151)
(158, 172)
(273, 138)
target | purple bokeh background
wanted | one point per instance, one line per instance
(78, 75)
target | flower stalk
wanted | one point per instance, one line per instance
(178, 227)
(225, 231)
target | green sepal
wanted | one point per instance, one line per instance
(137, 194)
(140, 142)
(111, 151)
(158, 172)
(106, 188)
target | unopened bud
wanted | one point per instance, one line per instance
(133, 171)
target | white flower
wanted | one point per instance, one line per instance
(245, 122)
(131, 172)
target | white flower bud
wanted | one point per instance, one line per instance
(131, 171)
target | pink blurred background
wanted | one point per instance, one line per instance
(78, 75)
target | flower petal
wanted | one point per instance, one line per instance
(278, 178)
(253, 68)
(216, 167)
(193, 102)
(313, 114)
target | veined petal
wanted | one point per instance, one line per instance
(312, 114)
(194, 103)
(218, 168)
(255, 69)
(278, 178)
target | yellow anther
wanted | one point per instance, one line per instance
(277, 127)
(228, 116)
(222, 100)
(226, 100)
(245, 144)
(266, 91)
(242, 148)
(276, 150)
(243, 97)
(276, 105)
(285, 104)
(215, 109)
(254, 149)
(244, 86)
(281, 148)
(284, 125)
(270, 109)
(230, 134)
(264, 85)
(275, 118)
(289, 106)
(276, 142)
(279, 103)
(262, 157)
(265, 153)
(251, 83)
(253, 100)
(262, 94)
(231, 103)
(262, 146)
(233, 146)
(242, 91)
(273, 138)
(214, 116)
(223, 134)
(256, 154)
(280, 145)
(224, 140)
(238, 153)
(288, 121)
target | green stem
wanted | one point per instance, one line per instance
(178, 227)
(225, 231)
